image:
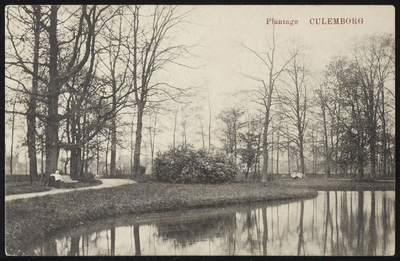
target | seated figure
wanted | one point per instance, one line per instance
(56, 178)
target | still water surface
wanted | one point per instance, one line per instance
(334, 223)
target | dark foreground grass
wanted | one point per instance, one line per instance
(29, 221)
(13, 188)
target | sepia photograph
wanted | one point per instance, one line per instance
(199, 130)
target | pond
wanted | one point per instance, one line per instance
(349, 223)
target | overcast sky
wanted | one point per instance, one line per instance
(222, 28)
(218, 32)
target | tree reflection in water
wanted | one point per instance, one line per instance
(137, 239)
(301, 236)
(74, 250)
(360, 238)
(334, 223)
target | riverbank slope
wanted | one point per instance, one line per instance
(324, 184)
(32, 219)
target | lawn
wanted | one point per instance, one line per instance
(21, 187)
(24, 187)
(324, 184)
(30, 220)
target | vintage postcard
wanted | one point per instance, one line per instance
(213, 130)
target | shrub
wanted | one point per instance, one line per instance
(190, 166)
(86, 177)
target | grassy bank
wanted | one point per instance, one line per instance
(336, 184)
(13, 188)
(22, 187)
(30, 220)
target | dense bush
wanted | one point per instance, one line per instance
(187, 165)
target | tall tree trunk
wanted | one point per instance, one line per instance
(87, 160)
(52, 148)
(288, 151)
(272, 155)
(82, 161)
(301, 152)
(139, 100)
(174, 135)
(12, 139)
(107, 149)
(372, 147)
(138, 141)
(327, 155)
(76, 162)
(153, 140)
(360, 161)
(131, 148)
(337, 141)
(42, 157)
(313, 151)
(277, 155)
(31, 118)
(235, 141)
(202, 133)
(384, 140)
(97, 155)
(67, 159)
(209, 121)
(113, 141)
(264, 169)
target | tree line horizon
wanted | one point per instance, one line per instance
(73, 71)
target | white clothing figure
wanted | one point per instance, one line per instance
(57, 176)
(57, 179)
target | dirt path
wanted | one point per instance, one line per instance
(106, 183)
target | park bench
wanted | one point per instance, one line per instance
(297, 175)
(67, 179)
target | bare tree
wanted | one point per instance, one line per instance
(352, 101)
(31, 118)
(202, 133)
(374, 62)
(250, 140)
(174, 131)
(114, 57)
(344, 91)
(209, 120)
(12, 137)
(153, 130)
(293, 100)
(265, 93)
(64, 58)
(151, 51)
(322, 100)
(24, 31)
(231, 119)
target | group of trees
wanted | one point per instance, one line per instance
(348, 116)
(74, 73)
(357, 108)
(75, 68)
